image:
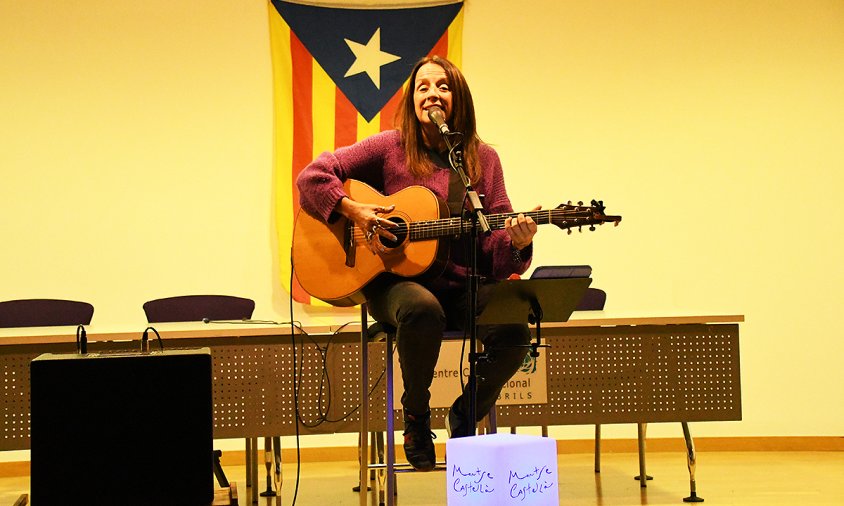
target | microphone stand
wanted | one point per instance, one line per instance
(479, 224)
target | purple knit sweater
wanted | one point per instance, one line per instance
(379, 161)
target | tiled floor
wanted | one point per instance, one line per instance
(723, 478)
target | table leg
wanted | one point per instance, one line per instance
(691, 460)
(597, 448)
(643, 475)
(248, 461)
(252, 472)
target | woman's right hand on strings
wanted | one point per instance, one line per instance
(366, 218)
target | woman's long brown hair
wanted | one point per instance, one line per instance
(462, 120)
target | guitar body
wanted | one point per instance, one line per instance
(333, 262)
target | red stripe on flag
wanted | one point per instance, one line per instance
(345, 121)
(441, 47)
(389, 111)
(303, 129)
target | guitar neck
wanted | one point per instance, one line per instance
(421, 230)
(496, 221)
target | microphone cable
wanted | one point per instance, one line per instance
(294, 325)
(295, 388)
(145, 339)
(325, 388)
(325, 383)
(249, 321)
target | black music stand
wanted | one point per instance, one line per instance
(532, 301)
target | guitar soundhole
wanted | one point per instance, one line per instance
(400, 232)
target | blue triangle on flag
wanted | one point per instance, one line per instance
(406, 33)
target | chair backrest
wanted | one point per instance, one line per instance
(593, 300)
(187, 308)
(44, 313)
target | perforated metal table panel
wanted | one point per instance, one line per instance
(596, 375)
(632, 374)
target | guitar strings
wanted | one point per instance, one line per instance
(457, 224)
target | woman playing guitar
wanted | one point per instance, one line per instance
(414, 154)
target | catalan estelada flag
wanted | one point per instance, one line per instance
(338, 71)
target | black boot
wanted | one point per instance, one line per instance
(418, 441)
(456, 423)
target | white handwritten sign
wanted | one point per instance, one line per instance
(467, 482)
(502, 470)
(524, 484)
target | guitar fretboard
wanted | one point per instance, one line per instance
(565, 218)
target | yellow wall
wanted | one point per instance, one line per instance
(135, 154)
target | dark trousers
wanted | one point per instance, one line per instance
(420, 318)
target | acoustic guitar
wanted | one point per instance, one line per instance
(333, 263)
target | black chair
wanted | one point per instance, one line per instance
(593, 300)
(188, 308)
(44, 313)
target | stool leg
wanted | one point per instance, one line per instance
(364, 406)
(377, 452)
(362, 462)
(391, 431)
(378, 476)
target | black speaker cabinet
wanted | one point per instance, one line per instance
(122, 429)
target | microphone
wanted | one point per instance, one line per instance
(437, 117)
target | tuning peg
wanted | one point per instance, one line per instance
(568, 203)
(580, 202)
(580, 229)
(591, 228)
(568, 231)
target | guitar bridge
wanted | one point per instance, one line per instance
(349, 241)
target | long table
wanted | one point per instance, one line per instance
(600, 371)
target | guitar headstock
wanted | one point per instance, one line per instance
(568, 215)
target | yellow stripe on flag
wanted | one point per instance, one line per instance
(455, 40)
(367, 129)
(282, 138)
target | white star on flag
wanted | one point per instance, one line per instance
(369, 58)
